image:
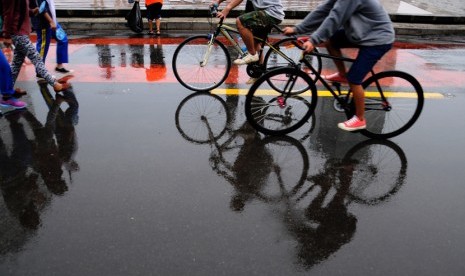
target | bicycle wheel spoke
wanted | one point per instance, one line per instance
(286, 47)
(202, 117)
(377, 171)
(274, 112)
(400, 109)
(189, 66)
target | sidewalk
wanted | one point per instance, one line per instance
(410, 17)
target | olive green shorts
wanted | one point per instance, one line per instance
(259, 22)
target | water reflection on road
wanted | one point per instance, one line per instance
(311, 204)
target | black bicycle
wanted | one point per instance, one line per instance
(276, 105)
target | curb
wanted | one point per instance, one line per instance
(84, 25)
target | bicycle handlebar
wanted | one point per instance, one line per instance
(214, 9)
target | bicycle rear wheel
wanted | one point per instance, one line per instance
(274, 60)
(199, 66)
(393, 102)
(275, 110)
(377, 170)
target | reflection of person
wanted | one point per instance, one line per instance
(17, 26)
(48, 161)
(6, 86)
(30, 164)
(47, 27)
(154, 13)
(363, 24)
(332, 225)
(137, 56)
(250, 169)
(20, 189)
(105, 60)
(157, 69)
(63, 124)
(257, 22)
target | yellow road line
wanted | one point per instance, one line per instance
(325, 93)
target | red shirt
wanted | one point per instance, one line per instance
(150, 2)
(16, 19)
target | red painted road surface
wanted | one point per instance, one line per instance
(127, 60)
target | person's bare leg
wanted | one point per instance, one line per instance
(341, 68)
(359, 99)
(247, 37)
(150, 26)
(157, 23)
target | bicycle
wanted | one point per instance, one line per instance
(202, 62)
(273, 106)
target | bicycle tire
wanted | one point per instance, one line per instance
(202, 118)
(290, 168)
(273, 60)
(187, 59)
(278, 111)
(390, 113)
(379, 169)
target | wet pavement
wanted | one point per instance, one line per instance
(118, 176)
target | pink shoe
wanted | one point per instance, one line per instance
(335, 78)
(353, 124)
(13, 102)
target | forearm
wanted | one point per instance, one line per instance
(231, 5)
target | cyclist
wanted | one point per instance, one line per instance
(257, 22)
(363, 24)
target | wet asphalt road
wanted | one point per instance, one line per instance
(114, 178)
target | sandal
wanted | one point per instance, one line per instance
(158, 32)
(150, 33)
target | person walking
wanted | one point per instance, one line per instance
(47, 27)
(17, 26)
(362, 24)
(154, 13)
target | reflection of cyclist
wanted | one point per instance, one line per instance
(251, 168)
(357, 23)
(258, 23)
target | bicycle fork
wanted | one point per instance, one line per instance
(285, 95)
(204, 62)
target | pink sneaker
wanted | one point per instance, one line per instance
(13, 102)
(335, 78)
(353, 124)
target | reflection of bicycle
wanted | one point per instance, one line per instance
(255, 166)
(202, 63)
(276, 105)
(316, 214)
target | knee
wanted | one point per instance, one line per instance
(239, 24)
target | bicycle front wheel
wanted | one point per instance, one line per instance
(275, 109)
(202, 118)
(393, 102)
(199, 65)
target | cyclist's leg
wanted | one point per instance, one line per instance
(243, 24)
(256, 23)
(366, 59)
(333, 46)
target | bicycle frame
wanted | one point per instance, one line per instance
(343, 101)
(225, 30)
